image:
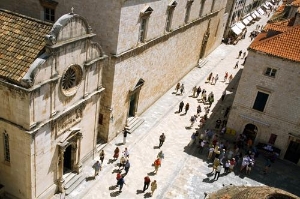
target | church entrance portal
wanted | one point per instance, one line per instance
(68, 159)
(134, 97)
(132, 105)
(250, 131)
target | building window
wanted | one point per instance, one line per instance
(188, 11)
(272, 139)
(271, 72)
(6, 147)
(144, 18)
(260, 101)
(170, 12)
(49, 14)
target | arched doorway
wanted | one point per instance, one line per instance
(68, 159)
(250, 131)
(133, 98)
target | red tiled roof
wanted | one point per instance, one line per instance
(281, 26)
(285, 44)
(296, 3)
(21, 40)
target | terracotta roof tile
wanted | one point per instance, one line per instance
(296, 3)
(21, 40)
(285, 45)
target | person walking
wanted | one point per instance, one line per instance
(267, 166)
(198, 91)
(127, 166)
(198, 110)
(209, 77)
(101, 155)
(193, 138)
(230, 78)
(181, 105)
(121, 182)
(161, 156)
(210, 152)
(125, 132)
(236, 65)
(216, 78)
(194, 91)
(225, 76)
(122, 162)
(157, 164)
(177, 87)
(218, 171)
(97, 168)
(181, 89)
(146, 183)
(116, 153)
(162, 138)
(240, 53)
(187, 107)
(153, 187)
(193, 119)
(126, 153)
(118, 177)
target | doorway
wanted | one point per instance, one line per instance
(132, 105)
(204, 44)
(68, 159)
(293, 152)
(250, 131)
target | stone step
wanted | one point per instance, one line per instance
(202, 62)
(71, 181)
(134, 123)
(69, 176)
(75, 184)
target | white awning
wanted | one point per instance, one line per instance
(253, 15)
(246, 21)
(249, 18)
(240, 25)
(236, 30)
(265, 6)
(256, 13)
(269, 4)
(261, 11)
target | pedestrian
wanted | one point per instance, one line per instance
(146, 183)
(218, 171)
(203, 97)
(216, 163)
(97, 168)
(157, 164)
(227, 165)
(209, 77)
(187, 107)
(193, 119)
(236, 65)
(127, 166)
(153, 187)
(227, 111)
(193, 138)
(225, 76)
(101, 155)
(116, 153)
(212, 80)
(126, 153)
(194, 91)
(181, 89)
(162, 138)
(210, 152)
(230, 78)
(198, 91)
(240, 53)
(118, 177)
(201, 145)
(216, 78)
(222, 155)
(125, 131)
(121, 182)
(249, 166)
(161, 156)
(210, 100)
(122, 162)
(232, 164)
(267, 166)
(198, 110)
(177, 87)
(181, 105)
(244, 55)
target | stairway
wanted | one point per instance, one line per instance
(202, 62)
(72, 181)
(133, 123)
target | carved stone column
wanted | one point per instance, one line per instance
(78, 165)
(61, 180)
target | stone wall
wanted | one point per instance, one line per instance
(280, 116)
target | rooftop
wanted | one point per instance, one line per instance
(285, 43)
(21, 41)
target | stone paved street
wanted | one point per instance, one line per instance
(184, 172)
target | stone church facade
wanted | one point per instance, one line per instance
(51, 86)
(151, 45)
